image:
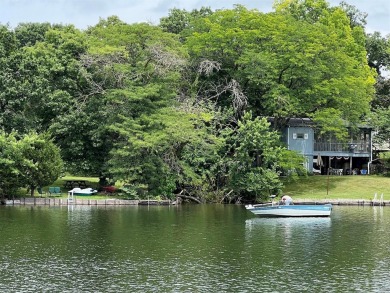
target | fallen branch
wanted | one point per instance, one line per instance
(189, 197)
(226, 196)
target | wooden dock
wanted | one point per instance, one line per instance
(346, 202)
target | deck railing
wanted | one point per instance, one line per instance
(358, 147)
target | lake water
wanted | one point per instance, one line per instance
(193, 248)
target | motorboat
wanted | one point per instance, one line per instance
(82, 191)
(286, 208)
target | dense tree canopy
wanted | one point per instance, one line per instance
(289, 63)
(42, 161)
(180, 107)
(28, 161)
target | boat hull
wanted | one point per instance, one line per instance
(82, 192)
(291, 210)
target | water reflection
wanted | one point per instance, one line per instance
(288, 227)
(205, 248)
(307, 222)
(347, 252)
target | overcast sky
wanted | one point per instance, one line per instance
(84, 13)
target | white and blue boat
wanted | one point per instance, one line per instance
(287, 209)
(82, 191)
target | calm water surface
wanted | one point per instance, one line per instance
(197, 248)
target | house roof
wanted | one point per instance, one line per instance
(308, 122)
(303, 122)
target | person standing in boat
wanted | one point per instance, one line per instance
(286, 200)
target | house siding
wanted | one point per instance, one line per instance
(301, 139)
(300, 136)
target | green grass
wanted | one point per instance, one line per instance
(339, 187)
(91, 182)
(311, 187)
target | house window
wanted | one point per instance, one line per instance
(300, 136)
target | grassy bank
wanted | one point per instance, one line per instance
(311, 187)
(339, 187)
(60, 182)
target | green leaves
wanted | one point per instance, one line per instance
(163, 107)
(43, 163)
(151, 148)
(258, 159)
(298, 61)
(32, 160)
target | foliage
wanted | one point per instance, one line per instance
(162, 108)
(31, 160)
(380, 121)
(11, 161)
(378, 55)
(150, 152)
(378, 51)
(42, 161)
(129, 71)
(40, 79)
(357, 18)
(258, 159)
(385, 158)
(382, 97)
(301, 62)
(28, 34)
(179, 21)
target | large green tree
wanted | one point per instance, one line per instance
(259, 159)
(302, 60)
(40, 77)
(155, 151)
(42, 161)
(29, 160)
(130, 71)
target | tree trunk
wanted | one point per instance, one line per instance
(32, 189)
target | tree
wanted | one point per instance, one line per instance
(258, 160)
(31, 160)
(357, 18)
(51, 74)
(28, 34)
(378, 52)
(42, 161)
(303, 62)
(39, 80)
(378, 55)
(153, 152)
(11, 94)
(180, 20)
(310, 11)
(10, 164)
(129, 71)
(382, 93)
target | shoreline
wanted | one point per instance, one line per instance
(345, 202)
(47, 201)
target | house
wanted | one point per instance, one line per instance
(325, 154)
